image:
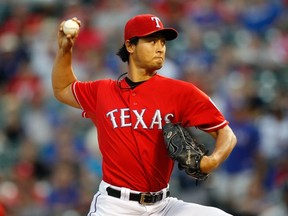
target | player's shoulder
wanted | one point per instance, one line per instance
(94, 85)
(107, 81)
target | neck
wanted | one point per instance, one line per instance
(138, 76)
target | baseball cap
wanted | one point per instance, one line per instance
(145, 24)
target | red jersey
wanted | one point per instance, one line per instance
(130, 121)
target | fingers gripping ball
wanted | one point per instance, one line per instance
(182, 148)
(70, 27)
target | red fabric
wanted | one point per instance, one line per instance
(2, 210)
(146, 24)
(129, 124)
(26, 86)
(89, 39)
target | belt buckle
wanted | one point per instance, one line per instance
(143, 199)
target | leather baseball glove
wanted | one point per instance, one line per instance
(183, 148)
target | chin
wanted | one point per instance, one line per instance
(158, 66)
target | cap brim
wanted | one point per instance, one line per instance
(168, 33)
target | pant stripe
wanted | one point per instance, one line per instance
(95, 205)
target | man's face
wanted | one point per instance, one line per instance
(149, 53)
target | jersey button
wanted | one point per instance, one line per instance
(135, 104)
(133, 94)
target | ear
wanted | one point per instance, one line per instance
(129, 47)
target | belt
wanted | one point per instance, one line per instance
(142, 198)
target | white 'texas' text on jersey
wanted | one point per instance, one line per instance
(125, 118)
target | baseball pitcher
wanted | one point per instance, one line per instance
(141, 119)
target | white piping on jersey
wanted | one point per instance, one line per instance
(207, 129)
(75, 95)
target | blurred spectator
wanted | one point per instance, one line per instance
(273, 126)
(171, 11)
(278, 43)
(64, 189)
(21, 193)
(259, 15)
(64, 147)
(25, 85)
(2, 210)
(11, 133)
(280, 208)
(205, 14)
(37, 117)
(28, 172)
(12, 54)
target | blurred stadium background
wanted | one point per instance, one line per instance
(234, 50)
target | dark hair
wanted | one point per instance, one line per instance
(123, 53)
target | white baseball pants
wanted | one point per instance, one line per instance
(105, 205)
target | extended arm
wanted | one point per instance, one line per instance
(62, 72)
(225, 142)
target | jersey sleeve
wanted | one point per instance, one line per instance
(201, 112)
(86, 95)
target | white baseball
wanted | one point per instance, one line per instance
(70, 27)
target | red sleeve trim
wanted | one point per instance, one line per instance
(214, 128)
(74, 92)
(84, 114)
